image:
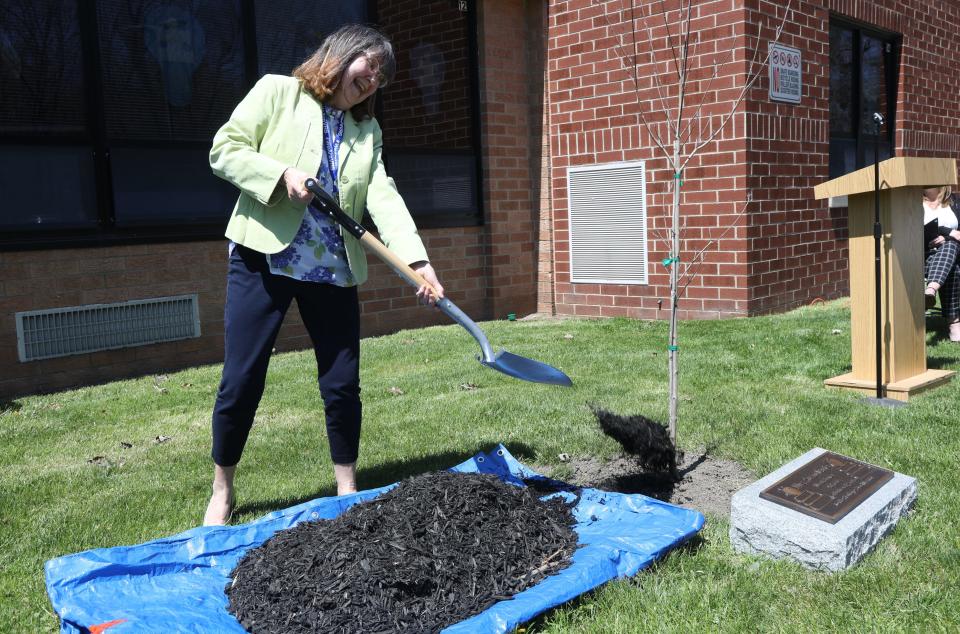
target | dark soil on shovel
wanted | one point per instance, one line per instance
(431, 552)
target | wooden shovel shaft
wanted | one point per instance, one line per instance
(400, 267)
(324, 203)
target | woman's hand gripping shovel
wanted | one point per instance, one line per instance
(503, 361)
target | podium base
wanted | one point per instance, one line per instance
(898, 390)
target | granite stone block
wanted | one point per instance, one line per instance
(759, 526)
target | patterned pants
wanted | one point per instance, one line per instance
(941, 266)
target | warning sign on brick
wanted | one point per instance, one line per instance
(785, 67)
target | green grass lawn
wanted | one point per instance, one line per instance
(82, 469)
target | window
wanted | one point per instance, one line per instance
(863, 80)
(428, 111)
(108, 109)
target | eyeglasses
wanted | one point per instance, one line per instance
(374, 65)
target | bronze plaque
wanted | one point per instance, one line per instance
(828, 487)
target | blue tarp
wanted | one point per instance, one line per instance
(177, 583)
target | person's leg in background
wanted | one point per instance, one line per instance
(950, 302)
(254, 310)
(938, 267)
(332, 317)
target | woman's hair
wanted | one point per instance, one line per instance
(321, 72)
(943, 194)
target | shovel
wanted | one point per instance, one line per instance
(503, 361)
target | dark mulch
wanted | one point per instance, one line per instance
(433, 551)
(646, 439)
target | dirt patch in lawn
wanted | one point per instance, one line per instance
(706, 485)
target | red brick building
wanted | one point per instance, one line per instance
(787, 249)
(512, 130)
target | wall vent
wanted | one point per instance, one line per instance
(608, 223)
(59, 332)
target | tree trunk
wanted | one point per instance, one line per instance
(673, 352)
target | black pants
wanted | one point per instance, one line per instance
(941, 266)
(256, 303)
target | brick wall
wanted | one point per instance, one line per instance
(797, 245)
(35, 280)
(787, 249)
(511, 71)
(799, 252)
(595, 117)
(546, 278)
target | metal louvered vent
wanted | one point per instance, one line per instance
(59, 332)
(608, 223)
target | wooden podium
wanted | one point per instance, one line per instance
(903, 336)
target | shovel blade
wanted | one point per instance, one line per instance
(527, 369)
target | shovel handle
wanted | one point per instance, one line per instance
(322, 201)
(400, 267)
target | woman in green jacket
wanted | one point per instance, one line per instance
(316, 124)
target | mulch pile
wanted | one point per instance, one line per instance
(433, 551)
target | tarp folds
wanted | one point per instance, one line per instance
(176, 583)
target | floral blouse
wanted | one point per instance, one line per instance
(317, 253)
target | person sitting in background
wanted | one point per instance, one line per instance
(942, 252)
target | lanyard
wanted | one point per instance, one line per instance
(331, 146)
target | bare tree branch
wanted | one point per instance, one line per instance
(685, 134)
(754, 76)
(680, 137)
(656, 74)
(632, 68)
(660, 236)
(688, 275)
(685, 58)
(666, 26)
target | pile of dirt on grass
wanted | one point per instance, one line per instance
(433, 551)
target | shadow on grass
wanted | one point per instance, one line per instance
(388, 473)
(10, 406)
(937, 331)
(940, 363)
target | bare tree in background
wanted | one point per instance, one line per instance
(684, 129)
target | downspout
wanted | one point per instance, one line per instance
(548, 125)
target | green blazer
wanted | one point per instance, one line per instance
(279, 125)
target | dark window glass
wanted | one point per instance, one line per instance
(41, 75)
(842, 84)
(119, 99)
(289, 31)
(432, 181)
(874, 81)
(42, 99)
(863, 72)
(164, 185)
(171, 71)
(843, 156)
(66, 198)
(428, 110)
